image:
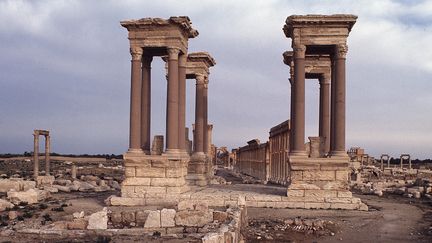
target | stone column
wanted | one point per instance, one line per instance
(324, 111)
(199, 115)
(146, 104)
(297, 147)
(74, 171)
(172, 121)
(182, 102)
(135, 100)
(205, 117)
(36, 155)
(209, 138)
(47, 154)
(339, 102)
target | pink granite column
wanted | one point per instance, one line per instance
(182, 102)
(199, 115)
(205, 117)
(324, 111)
(135, 100)
(47, 154)
(339, 102)
(146, 104)
(172, 121)
(36, 155)
(297, 147)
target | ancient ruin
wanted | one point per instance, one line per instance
(148, 175)
(36, 135)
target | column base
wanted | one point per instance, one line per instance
(135, 151)
(338, 154)
(321, 183)
(299, 153)
(153, 176)
(198, 170)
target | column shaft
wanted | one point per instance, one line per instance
(146, 104)
(36, 155)
(324, 112)
(199, 115)
(47, 155)
(298, 107)
(205, 118)
(339, 105)
(182, 102)
(135, 101)
(172, 121)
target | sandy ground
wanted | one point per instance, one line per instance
(390, 219)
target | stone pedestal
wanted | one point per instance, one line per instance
(154, 176)
(316, 149)
(321, 183)
(197, 170)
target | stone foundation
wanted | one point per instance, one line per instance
(198, 170)
(321, 183)
(150, 176)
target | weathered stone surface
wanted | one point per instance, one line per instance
(77, 224)
(78, 215)
(167, 217)
(141, 217)
(16, 184)
(185, 205)
(193, 218)
(5, 205)
(12, 215)
(31, 196)
(220, 216)
(153, 219)
(128, 217)
(151, 172)
(98, 220)
(45, 180)
(62, 188)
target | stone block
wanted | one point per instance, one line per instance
(130, 171)
(317, 205)
(5, 205)
(320, 193)
(261, 197)
(334, 185)
(303, 186)
(231, 203)
(167, 217)
(128, 191)
(186, 205)
(128, 217)
(296, 175)
(150, 172)
(339, 200)
(77, 224)
(175, 230)
(127, 201)
(7, 185)
(98, 220)
(342, 175)
(289, 204)
(174, 182)
(344, 194)
(349, 206)
(45, 180)
(136, 181)
(142, 190)
(116, 218)
(167, 201)
(305, 199)
(319, 175)
(294, 193)
(193, 218)
(153, 219)
(176, 190)
(31, 196)
(141, 217)
(220, 216)
(174, 172)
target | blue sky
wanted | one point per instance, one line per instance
(65, 66)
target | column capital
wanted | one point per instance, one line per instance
(173, 53)
(341, 50)
(200, 78)
(299, 51)
(325, 79)
(147, 59)
(136, 53)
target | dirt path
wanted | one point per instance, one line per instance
(390, 220)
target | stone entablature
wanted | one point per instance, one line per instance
(198, 63)
(156, 32)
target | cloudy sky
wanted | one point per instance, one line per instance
(65, 66)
